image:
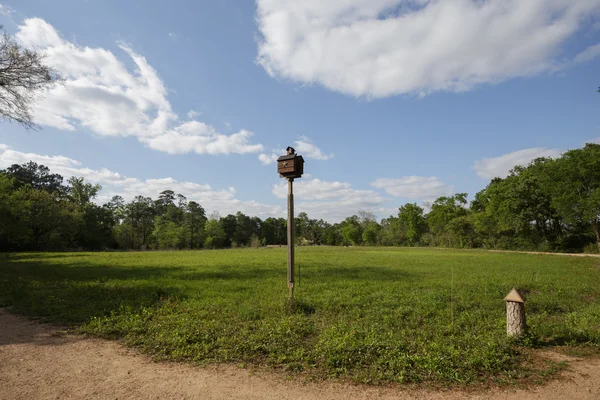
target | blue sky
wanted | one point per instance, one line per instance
(389, 101)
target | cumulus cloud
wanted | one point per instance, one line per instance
(267, 159)
(222, 200)
(303, 146)
(414, 187)
(103, 95)
(194, 136)
(489, 168)
(192, 114)
(379, 48)
(307, 148)
(332, 201)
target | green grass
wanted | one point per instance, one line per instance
(368, 314)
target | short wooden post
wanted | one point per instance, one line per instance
(515, 314)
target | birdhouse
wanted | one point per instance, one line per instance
(291, 165)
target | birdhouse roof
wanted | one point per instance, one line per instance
(289, 157)
(514, 296)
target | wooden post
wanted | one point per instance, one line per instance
(290, 234)
(290, 166)
(515, 314)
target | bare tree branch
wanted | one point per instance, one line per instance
(23, 75)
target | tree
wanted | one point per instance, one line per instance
(575, 186)
(165, 198)
(411, 218)
(444, 210)
(168, 234)
(245, 228)
(82, 193)
(44, 222)
(140, 216)
(37, 176)
(352, 230)
(229, 226)
(215, 235)
(116, 208)
(301, 227)
(195, 220)
(370, 235)
(274, 230)
(23, 75)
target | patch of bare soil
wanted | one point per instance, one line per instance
(38, 361)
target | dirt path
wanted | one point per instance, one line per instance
(38, 362)
(545, 253)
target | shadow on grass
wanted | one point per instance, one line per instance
(75, 292)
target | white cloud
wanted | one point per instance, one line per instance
(414, 187)
(379, 48)
(587, 55)
(173, 36)
(194, 136)
(306, 148)
(113, 183)
(489, 168)
(101, 94)
(332, 201)
(193, 114)
(267, 159)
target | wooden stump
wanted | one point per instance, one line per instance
(515, 318)
(515, 314)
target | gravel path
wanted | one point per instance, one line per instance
(38, 362)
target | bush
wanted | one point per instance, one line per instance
(591, 248)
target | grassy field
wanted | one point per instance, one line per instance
(367, 314)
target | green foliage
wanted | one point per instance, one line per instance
(413, 223)
(215, 235)
(574, 181)
(548, 205)
(370, 314)
(168, 234)
(352, 230)
(443, 211)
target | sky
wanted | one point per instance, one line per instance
(388, 101)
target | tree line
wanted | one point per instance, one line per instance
(549, 205)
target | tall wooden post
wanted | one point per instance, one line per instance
(290, 235)
(290, 166)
